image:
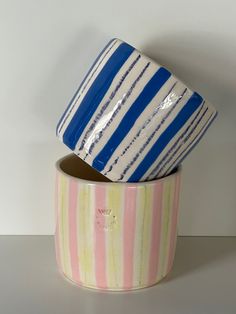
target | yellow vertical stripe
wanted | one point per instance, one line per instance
(64, 230)
(169, 227)
(83, 201)
(89, 230)
(146, 234)
(113, 223)
(140, 201)
(164, 226)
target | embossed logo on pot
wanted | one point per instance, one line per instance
(105, 219)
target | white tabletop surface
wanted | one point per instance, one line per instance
(203, 281)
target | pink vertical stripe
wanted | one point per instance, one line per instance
(57, 215)
(129, 221)
(156, 232)
(173, 234)
(73, 192)
(100, 237)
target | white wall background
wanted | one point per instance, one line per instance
(45, 49)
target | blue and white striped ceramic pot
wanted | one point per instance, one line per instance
(131, 119)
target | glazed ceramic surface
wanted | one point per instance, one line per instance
(114, 236)
(131, 119)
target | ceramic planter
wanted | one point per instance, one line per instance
(131, 119)
(114, 236)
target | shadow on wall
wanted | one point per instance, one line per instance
(207, 63)
(204, 61)
(71, 65)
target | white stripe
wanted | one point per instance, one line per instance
(117, 100)
(181, 142)
(131, 153)
(172, 142)
(85, 87)
(111, 107)
(181, 103)
(198, 131)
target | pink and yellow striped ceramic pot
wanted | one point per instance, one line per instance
(114, 236)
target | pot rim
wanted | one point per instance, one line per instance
(127, 184)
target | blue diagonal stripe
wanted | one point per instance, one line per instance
(147, 94)
(95, 94)
(193, 143)
(193, 103)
